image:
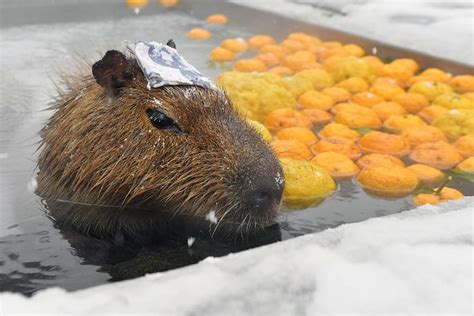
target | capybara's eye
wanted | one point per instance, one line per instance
(161, 121)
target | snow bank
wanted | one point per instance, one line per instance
(418, 261)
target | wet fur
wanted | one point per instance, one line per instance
(101, 149)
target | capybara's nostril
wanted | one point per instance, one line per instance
(263, 198)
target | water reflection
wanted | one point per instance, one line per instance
(122, 257)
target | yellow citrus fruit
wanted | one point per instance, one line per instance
(373, 160)
(338, 130)
(432, 112)
(426, 174)
(316, 116)
(456, 123)
(258, 41)
(354, 85)
(199, 34)
(315, 100)
(350, 66)
(299, 60)
(412, 102)
(422, 134)
(393, 181)
(260, 129)
(297, 85)
(454, 101)
(237, 45)
(338, 165)
(354, 50)
(450, 194)
(337, 94)
(269, 59)
(340, 145)
(430, 89)
(217, 19)
(397, 123)
(439, 155)
(385, 109)
(281, 71)
(305, 183)
(385, 90)
(426, 198)
(291, 148)
(467, 165)
(250, 65)
(220, 54)
(463, 83)
(367, 99)
(383, 143)
(302, 134)
(356, 116)
(136, 3)
(168, 3)
(319, 79)
(286, 117)
(255, 95)
(465, 145)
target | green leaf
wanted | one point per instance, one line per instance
(226, 67)
(363, 130)
(426, 190)
(211, 64)
(458, 173)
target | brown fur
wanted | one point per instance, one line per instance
(101, 149)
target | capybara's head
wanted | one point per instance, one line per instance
(177, 150)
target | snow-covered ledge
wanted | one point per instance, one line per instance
(419, 261)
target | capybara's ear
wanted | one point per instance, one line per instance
(114, 71)
(171, 44)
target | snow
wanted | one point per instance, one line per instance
(32, 185)
(418, 261)
(211, 216)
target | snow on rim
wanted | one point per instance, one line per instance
(417, 261)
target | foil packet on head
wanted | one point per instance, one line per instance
(162, 65)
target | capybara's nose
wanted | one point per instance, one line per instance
(263, 196)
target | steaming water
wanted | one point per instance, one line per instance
(33, 253)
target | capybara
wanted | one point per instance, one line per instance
(150, 155)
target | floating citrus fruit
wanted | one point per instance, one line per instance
(261, 130)
(374, 160)
(439, 155)
(338, 165)
(286, 117)
(291, 148)
(217, 19)
(426, 174)
(422, 134)
(305, 183)
(383, 143)
(338, 130)
(465, 145)
(199, 34)
(302, 134)
(390, 181)
(340, 145)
